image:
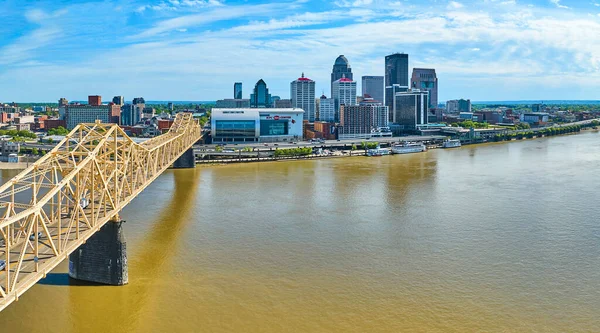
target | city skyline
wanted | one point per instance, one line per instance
(188, 50)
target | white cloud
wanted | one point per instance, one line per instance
(355, 3)
(557, 4)
(455, 5)
(467, 46)
(174, 5)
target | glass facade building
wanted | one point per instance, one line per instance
(235, 129)
(396, 73)
(237, 90)
(261, 97)
(373, 86)
(254, 125)
(412, 108)
(273, 127)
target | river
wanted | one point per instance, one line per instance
(486, 238)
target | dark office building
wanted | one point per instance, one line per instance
(396, 73)
(237, 90)
(412, 108)
(261, 97)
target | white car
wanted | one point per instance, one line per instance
(2, 265)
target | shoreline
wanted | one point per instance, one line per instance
(14, 166)
(361, 153)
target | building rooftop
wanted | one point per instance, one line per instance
(303, 78)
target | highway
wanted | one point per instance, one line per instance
(327, 144)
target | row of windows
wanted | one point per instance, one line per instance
(235, 128)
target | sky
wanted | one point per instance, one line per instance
(195, 50)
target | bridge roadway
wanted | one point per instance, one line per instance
(57, 204)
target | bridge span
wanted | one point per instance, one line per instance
(73, 194)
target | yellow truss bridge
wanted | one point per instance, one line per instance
(53, 207)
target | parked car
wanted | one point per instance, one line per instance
(2, 265)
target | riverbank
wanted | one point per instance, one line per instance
(14, 166)
(361, 152)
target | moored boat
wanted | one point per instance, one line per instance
(451, 144)
(408, 148)
(378, 152)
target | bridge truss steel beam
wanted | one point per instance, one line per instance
(51, 208)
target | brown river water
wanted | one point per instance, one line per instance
(487, 238)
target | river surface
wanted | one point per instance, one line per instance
(487, 238)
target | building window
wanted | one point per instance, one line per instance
(273, 127)
(235, 128)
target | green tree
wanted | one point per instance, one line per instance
(34, 151)
(58, 131)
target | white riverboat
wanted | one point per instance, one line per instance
(451, 144)
(378, 152)
(408, 148)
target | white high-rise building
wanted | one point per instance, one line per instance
(344, 92)
(326, 109)
(302, 93)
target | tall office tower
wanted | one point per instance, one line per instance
(426, 79)
(130, 114)
(118, 100)
(139, 105)
(396, 77)
(302, 93)
(412, 108)
(261, 97)
(341, 68)
(344, 93)
(326, 109)
(237, 90)
(373, 86)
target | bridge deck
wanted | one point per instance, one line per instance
(55, 205)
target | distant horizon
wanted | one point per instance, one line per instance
(507, 102)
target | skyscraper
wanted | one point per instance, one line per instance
(261, 97)
(118, 100)
(396, 77)
(130, 115)
(373, 86)
(344, 93)
(341, 68)
(302, 93)
(412, 108)
(326, 109)
(237, 90)
(426, 79)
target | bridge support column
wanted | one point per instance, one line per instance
(186, 161)
(103, 258)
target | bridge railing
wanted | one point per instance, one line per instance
(51, 208)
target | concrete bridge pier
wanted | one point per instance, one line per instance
(186, 161)
(103, 258)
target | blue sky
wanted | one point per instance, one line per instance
(196, 49)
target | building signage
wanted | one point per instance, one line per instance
(277, 117)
